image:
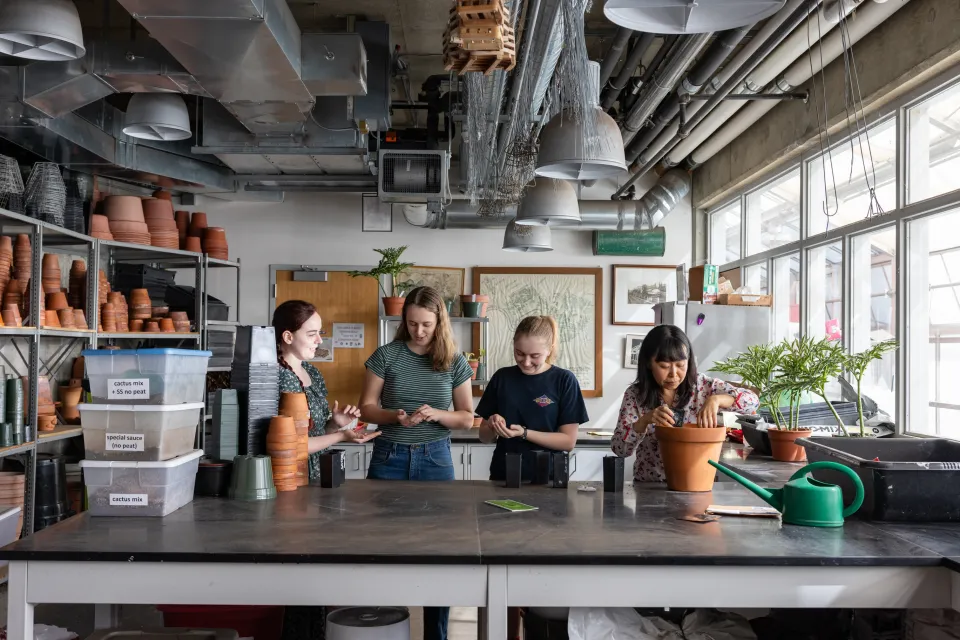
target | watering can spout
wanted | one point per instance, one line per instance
(773, 498)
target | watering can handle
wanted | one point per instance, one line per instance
(836, 466)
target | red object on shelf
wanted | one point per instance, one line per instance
(262, 623)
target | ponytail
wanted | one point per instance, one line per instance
(541, 327)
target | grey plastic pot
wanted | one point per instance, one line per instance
(252, 478)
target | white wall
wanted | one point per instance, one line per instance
(325, 229)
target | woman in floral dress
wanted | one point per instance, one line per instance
(669, 391)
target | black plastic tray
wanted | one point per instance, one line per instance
(904, 479)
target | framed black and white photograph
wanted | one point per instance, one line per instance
(377, 215)
(631, 349)
(637, 288)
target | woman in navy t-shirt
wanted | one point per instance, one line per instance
(533, 406)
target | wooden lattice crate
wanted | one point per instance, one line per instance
(482, 10)
(479, 61)
(483, 35)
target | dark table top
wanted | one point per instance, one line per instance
(407, 522)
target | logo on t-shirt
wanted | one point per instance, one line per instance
(543, 401)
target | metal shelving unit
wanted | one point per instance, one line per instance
(384, 334)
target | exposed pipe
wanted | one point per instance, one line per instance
(611, 93)
(613, 53)
(663, 83)
(763, 51)
(868, 18)
(796, 95)
(705, 68)
(513, 102)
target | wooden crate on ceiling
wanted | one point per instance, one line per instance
(479, 38)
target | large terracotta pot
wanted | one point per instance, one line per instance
(393, 306)
(685, 452)
(784, 447)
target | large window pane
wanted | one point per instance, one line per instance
(755, 278)
(773, 214)
(725, 234)
(933, 328)
(933, 133)
(825, 291)
(786, 297)
(840, 181)
(874, 295)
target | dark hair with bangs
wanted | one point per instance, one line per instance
(664, 343)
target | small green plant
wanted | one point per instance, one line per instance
(389, 265)
(756, 367)
(857, 365)
(474, 357)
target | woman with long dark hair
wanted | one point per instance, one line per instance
(669, 391)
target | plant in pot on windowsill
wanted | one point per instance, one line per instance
(389, 265)
(857, 365)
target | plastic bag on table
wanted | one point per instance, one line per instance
(626, 624)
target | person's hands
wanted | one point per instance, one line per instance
(707, 418)
(513, 431)
(428, 413)
(358, 436)
(662, 416)
(343, 417)
(408, 421)
(497, 423)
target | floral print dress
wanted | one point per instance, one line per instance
(649, 466)
(316, 400)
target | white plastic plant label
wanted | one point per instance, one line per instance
(128, 500)
(124, 441)
(128, 388)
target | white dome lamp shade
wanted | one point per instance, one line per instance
(564, 153)
(688, 16)
(41, 30)
(548, 201)
(157, 116)
(526, 239)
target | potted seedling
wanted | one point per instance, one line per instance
(482, 366)
(389, 265)
(756, 368)
(857, 365)
(474, 361)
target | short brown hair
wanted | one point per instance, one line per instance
(541, 327)
(443, 348)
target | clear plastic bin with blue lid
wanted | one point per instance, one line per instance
(146, 376)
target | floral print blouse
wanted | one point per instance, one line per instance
(649, 466)
(316, 400)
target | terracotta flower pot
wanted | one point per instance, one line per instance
(52, 319)
(79, 320)
(291, 403)
(119, 208)
(784, 447)
(166, 325)
(66, 318)
(282, 426)
(152, 327)
(685, 452)
(46, 423)
(160, 194)
(393, 306)
(192, 243)
(70, 396)
(475, 364)
(198, 222)
(57, 301)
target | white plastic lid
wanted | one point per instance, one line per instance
(163, 464)
(8, 511)
(144, 408)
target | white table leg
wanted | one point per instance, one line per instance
(106, 616)
(496, 611)
(19, 611)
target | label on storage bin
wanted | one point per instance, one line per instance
(124, 441)
(128, 500)
(128, 388)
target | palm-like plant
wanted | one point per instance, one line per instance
(857, 365)
(756, 367)
(389, 265)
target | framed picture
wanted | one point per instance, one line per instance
(377, 215)
(636, 288)
(447, 280)
(574, 297)
(631, 349)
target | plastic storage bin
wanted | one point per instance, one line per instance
(9, 531)
(140, 488)
(146, 376)
(904, 479)
(139, 433)
(260, 622)
(166, 634)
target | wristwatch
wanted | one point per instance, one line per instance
(524, 436)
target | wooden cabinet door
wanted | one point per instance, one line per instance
(339, 299)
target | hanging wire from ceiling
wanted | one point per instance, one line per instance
(826, 148)
(576, 89)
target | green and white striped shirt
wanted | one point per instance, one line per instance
(409, 382)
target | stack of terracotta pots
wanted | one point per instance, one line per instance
(160, 194)
(198, 225)
(108, 318)
(282, 448)
(126, 219)
(58, 313)
(103, 287)
(6, 261)
(215, 243)
(140, 307)
(294, 405)
(166, 325)
(181, 321)
(100, 227)
(151, 326)
(12, 492)
(80, 320)
(13, 296)
(11, 315)
(77, 293)
(22, 258)
(51, 275)
(70, 396)
(158, 214)
(121, 309)
(182, 220)
(46, 409)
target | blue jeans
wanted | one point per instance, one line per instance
(430, 462)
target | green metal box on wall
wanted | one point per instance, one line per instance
(650, 242)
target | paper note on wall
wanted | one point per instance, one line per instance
(348, 335)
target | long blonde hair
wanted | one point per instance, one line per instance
(541, 327)
(443, 348)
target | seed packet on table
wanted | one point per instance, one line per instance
(511, 505)
(762, 512)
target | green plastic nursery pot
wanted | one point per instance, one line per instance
(252, 478)
(471, 309)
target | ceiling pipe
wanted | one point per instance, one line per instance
(513, 102)
(763, 51)
(639, 49)
(613, 53)
(867, 19)
(743, 56)
(664, 82)
(705, 68)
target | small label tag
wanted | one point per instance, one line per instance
(124, 441)
(128, 388)
(128, 499)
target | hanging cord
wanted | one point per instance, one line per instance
(825, 151)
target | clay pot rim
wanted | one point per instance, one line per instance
(787, 434)
(691, 434)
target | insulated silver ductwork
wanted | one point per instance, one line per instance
(595, 215)
(546, 52)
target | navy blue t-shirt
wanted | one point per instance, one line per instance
(541, 402)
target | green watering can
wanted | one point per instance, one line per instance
(806, 501)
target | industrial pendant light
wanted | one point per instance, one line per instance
(565, 152)
(157, 116)
(548, 201)
(688, 16)
(526, 239)
(41, 30)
